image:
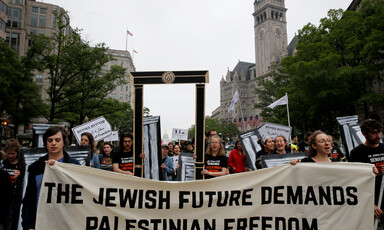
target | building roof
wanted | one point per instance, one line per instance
(354, 5)
(243, 67)
(292, 45)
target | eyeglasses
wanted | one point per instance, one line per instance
(215, 142)
(323, 141)
(127, 141)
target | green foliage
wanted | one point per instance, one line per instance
(19, 92)
(78, 84)
(220, 125)
(334, 71)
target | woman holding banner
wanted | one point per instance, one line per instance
(281, 145)
(267, 146)
(215, 160)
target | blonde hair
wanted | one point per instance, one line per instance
(221, 150)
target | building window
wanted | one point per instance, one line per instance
(3, 7)
(13, 40)
(121, 88)
(2, 25)
(41, 32)
(54, 13)
(121, 96)
(42, 20)
(39, 78)
(34, 19)
(43, 11)
(33, 32)
(35, 9)
(14, 17)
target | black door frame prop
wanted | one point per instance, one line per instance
(138, 80)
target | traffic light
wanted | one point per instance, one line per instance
(4, 123)
(227, 134)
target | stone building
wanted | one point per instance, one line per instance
(271, 46)
(25, 18)
(3, 18)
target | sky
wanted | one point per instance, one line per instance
(171, 35)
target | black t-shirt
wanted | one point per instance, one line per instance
(10, 169)
(303, 147)
(124, 159)
(371, 155)
(310, 160)
(367, 154)
(336, 154)
(215, 164)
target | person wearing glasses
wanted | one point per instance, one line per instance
(122, 161)
(320, 147)
(216, 163)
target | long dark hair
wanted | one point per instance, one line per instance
(91, 140)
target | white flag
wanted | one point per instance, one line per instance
(281, 101)
(234, 100)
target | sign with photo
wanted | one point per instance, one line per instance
(250, 146)
(180, 134)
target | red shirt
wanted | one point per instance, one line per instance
(236, 161)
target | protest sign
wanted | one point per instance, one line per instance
(274, 130)
(273, 160)
(180, 134)
(304, 196)
(113, 137)
(99, 128)
(250, 146)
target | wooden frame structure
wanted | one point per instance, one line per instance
(139, 79)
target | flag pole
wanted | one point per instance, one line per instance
(126, 39)
(241, 111)
(289, 122)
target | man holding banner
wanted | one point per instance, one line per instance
(372, 151)
(55, 139)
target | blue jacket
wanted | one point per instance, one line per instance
(168, 172)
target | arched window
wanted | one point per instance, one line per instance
(272, 14)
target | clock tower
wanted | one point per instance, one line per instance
(270, 33)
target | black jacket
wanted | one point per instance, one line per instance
(30, 198)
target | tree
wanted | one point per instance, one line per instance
(19, 92)
(220, 125)
(77, 84)
(334, 71)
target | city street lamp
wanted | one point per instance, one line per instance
(3, 125)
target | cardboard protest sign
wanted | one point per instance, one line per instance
(273, 160)
(304, 196)
(250, 146)
(180, 134)
(274, 130)
(99, 128)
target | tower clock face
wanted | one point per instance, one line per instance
(278, 32)
(261, 34)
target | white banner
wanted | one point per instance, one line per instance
(304, 196)
(180, 134)
(99, 128)
(274, 130)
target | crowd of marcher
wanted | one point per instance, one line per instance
(319, 146)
